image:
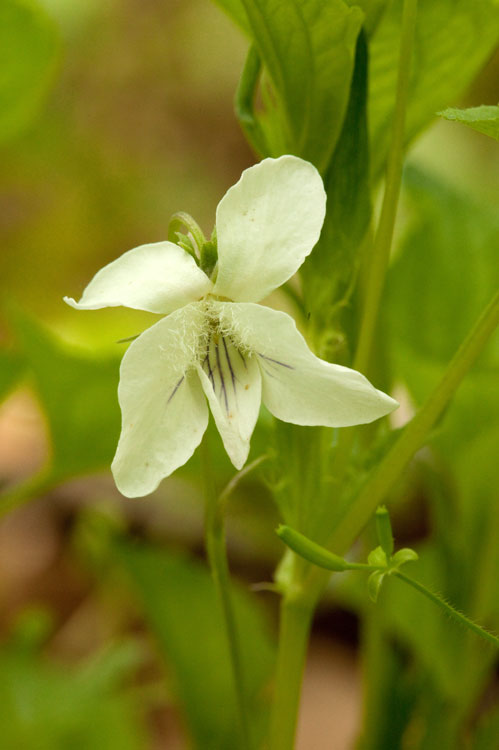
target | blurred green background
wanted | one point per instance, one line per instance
(132, 121)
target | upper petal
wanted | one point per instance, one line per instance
(233, 386)
(159, 278)
(267, 224)
(297, 386)
(164, 411)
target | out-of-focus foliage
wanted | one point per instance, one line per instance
(485, 119)
(11, 369)
(444, 275)
(78, 397)
(51, 707)
(180, 604)
(373, 11)
(445, 272)
(454, 38)
(308, 50)
(29, 46)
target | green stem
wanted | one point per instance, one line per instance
(383, 239)
(449, 609)
(356, 515)
(374, 491)
(318, 555)
(295, 619)
(217, 557)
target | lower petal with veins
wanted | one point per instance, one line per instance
(232, 383)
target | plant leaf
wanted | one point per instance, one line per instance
(485, 119)
(453, 40)
(328, 271)
(308, 51)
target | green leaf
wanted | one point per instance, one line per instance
(308, 50)
(328, 272)
(485, 119)
(373, 10)
(454, 38)
(78, 394)
(29, 46)
(180, 604)
(47, 706)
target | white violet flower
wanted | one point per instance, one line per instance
(215, 342)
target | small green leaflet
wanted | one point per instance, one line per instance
(485, 119)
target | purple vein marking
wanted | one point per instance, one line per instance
(222, 381)
(232, 375)
(270, 374)
(175, 389)
(276, 361)
(242, 357)
(206, 361)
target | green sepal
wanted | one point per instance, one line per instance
(209, 256)
(191, 243)
(377, 558)
(374, 584)
(403, 556)
(186, 244)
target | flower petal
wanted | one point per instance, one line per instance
(267, 224)
(164, 412)
(159, 278)
(233, 386)
(297, 386)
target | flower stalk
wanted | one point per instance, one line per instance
(217, 558)
(296, 614)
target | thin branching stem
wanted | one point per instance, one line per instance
(451, 611)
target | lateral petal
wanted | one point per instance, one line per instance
(232, 383)
(164, 411)
(267, 224)
(299, 387)
(158, 277)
